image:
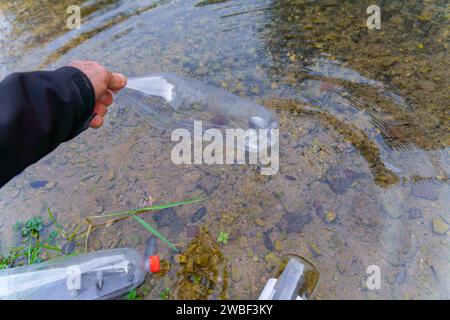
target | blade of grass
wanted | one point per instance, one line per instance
(155, 207)
(155, 232)
(60, 230)
(48, 247)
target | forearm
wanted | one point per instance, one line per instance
(38, 111)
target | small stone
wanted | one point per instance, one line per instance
(400, 277)
(38, 184)
(50, 185)
(314, 248)
(394, 259)
(318, 207)
(393, 210)
(426, 85)
(278, 245)
(68, 247)
(271, 260)
(340, 179)
(192, 230)
(425, 191)
(208, 184)
(267, 241)
(168, 218)
(111, 175)
(330, 216)
(294, 222)
(63, 161)
(259, 222)
(439, 226)
(236, 272)
(415, 213)
(198, 215)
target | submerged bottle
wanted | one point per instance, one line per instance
(102, 274)
(295, 278)
(169, 102)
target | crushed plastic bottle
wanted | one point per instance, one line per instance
(169, 101)
(96, 275)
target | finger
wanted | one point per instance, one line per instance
(97, 122)
(117, 81)
(107, 98)
(100, 109)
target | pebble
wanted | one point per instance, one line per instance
(111, 175)
(439, 226)
(192, 230)
(50, 185)
(271, 260)
(198, 215)
(415, 213)
(314, 248)
(339, 179)
(168, 218)
(425, 191)
(294, 222)
(236, 272)
(278, 245)
(259, 222)
(208, 184)
(38, 184)
(267, 241)
(330, 216)
(68, 247)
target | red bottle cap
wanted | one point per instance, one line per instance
(153, 262)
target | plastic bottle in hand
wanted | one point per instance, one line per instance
(169, 101)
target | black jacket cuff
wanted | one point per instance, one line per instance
(86, 97)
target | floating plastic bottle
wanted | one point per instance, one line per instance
(96, 275)
(168, 101)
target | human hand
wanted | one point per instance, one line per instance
(105, 84)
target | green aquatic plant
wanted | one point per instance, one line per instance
(165, 294)
(132, 295)
(223, 237)
(33, 248)
(32, 227)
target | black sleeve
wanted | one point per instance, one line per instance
(38, 111)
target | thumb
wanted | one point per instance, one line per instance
(117, 81)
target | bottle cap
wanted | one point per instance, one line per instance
(153, 264)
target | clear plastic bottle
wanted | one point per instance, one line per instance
(295, 278)
(171, 101)
(168, 101)
(96, 275)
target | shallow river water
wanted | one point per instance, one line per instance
(364, 140)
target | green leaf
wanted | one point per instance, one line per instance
(132, 295)
(155, 232)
